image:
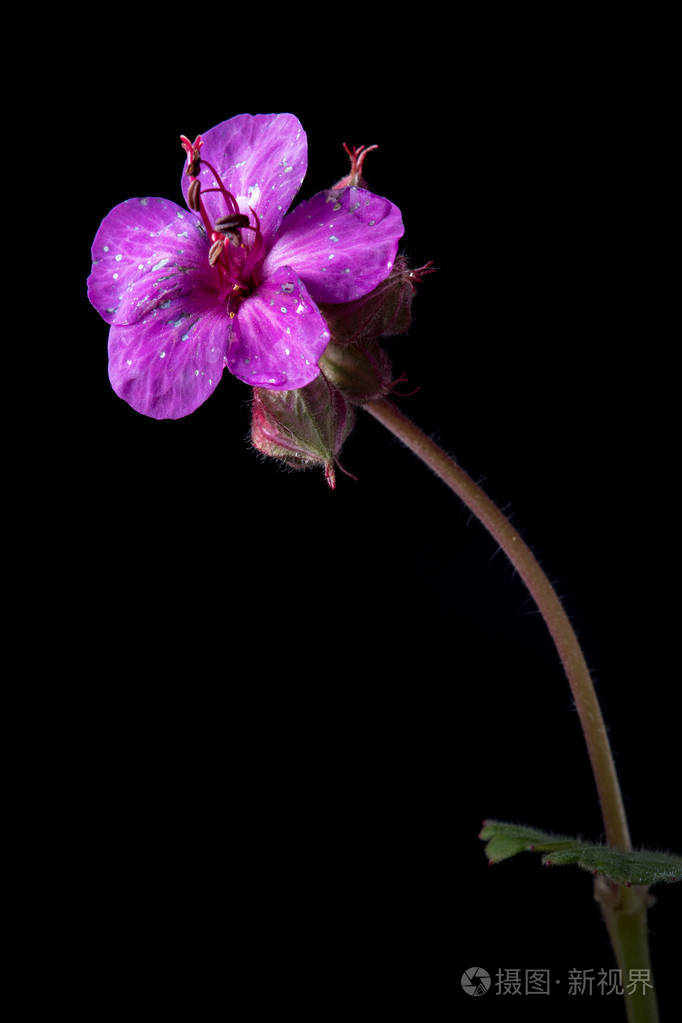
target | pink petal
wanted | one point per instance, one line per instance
(279, 335)
(168, 364)
(145, 252)
(341, 243)
(262, 160)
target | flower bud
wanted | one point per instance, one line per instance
(384, 312)
(360, 370)
(302, 428)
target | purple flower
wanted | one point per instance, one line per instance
(231, 281)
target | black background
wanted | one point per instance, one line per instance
(289, 709)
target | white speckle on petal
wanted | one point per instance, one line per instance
(283, 309)
(118, 258)
(106, 248)
(163, 355)
(333, 238)
(162, 262)
(115, 276)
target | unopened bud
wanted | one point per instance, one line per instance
(384, 312)
(361, 371)
(193, 194)
(302, 428)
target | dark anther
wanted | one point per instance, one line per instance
(193, 195)
(231, 222)
(193, 167)
(215, 251)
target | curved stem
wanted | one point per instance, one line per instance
(549, 605)
(624, 909)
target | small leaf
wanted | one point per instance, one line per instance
(640, 866)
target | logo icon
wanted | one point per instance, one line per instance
(475, 981)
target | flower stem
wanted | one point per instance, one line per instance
(625, 915)
(548, 603)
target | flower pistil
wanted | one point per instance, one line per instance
(235, 261)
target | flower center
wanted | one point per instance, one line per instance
(235, 257)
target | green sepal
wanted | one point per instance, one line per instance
(641, 866)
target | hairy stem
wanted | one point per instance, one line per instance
(625, 910)
(549, 605)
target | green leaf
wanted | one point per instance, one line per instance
(641, 866)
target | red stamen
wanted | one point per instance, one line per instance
(233, 267)
(229, 198)
(257, 247)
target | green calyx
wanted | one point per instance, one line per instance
(302, 428)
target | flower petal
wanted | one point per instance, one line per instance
(279, 335)
(145, 252)
(341, 243)
(262, 160)
(169, 363)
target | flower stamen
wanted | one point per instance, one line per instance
(229, 198)
(215, 252)
(193, 193)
